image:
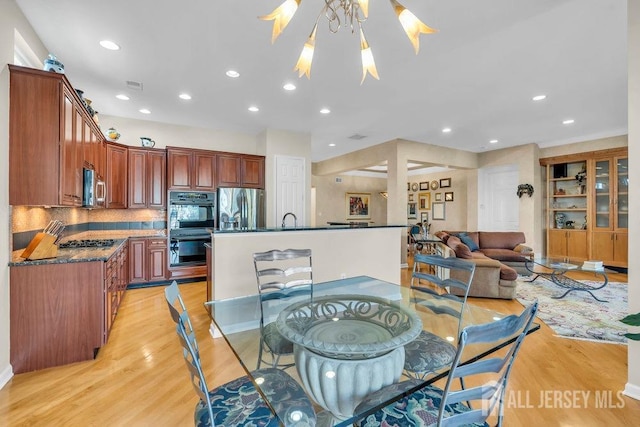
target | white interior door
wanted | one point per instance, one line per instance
(290, 189)
(499, 205)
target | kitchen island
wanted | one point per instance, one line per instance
(338, 252)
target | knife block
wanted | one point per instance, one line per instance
(41, 246)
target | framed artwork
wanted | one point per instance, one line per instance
(438, 197)
(411, 210)
(408, 186)
(434, 185)
(437, 210)
(424, 200)
(424, 185)
(445, 182)
(424, 217)
(411, 197)
(414, 186)
(448, 196)
(358, 205)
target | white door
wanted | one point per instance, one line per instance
(499, 205)
(290, 189)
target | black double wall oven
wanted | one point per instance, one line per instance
(191, 222)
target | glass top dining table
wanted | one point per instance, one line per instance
(329, 369)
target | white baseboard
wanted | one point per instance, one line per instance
(6, 375)
(632, 390)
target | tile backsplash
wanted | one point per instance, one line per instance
(26, 221)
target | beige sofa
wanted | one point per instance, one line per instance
(499, 257)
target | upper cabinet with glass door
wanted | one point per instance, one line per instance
(622, 193)
(603, 190)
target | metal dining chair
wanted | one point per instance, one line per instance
(429, 352)
(280, 274)
(238, 402)
(432, 406)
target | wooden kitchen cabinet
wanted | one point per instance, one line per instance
(191, 169)
(50, 137)
(116, 177)
(62, 313)
(240, 170)
(148, 259)
(147, 178)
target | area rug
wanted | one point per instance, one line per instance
(578, 315)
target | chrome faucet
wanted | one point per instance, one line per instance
(295, 219)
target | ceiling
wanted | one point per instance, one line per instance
(477, 75)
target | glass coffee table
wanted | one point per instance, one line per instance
(556, 271)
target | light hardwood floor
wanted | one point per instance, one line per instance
(139, 379)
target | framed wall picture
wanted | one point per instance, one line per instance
(411, 210)
(358, 205)
(424, 217)
(438, 197)
(437, 210)
(424, 201)
(424, 185)
(411, 197)
(445, 182)
(448, 196)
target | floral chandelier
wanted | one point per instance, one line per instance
(348, 13)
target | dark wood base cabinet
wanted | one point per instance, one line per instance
(62, 313)
(57, 314)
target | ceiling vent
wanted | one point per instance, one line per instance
(357, 136)
(134, 85)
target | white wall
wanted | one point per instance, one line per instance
(11, 18)
(165, 134)
(633, 383)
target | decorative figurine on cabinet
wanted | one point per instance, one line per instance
(560, 217)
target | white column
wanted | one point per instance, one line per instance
(632, 388)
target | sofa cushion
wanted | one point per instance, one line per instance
(461, 250)
(500, 239)
(507, 273)
(467, 240)
(503, 254)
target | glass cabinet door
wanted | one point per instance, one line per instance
(622, 197)
(603, 218)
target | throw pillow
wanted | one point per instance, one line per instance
(461, 250)
(467, 240)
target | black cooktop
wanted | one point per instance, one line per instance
(87, 243)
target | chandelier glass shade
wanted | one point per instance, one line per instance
(348, 13)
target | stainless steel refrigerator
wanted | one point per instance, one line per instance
(240, 209)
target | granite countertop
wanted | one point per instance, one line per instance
(327, 227)
(71, 255)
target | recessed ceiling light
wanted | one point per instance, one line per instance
(289, 86)
(446, 130)
(185, 96)
(539, 97)
(493, 141)
(332, 145)
(145, 111)
(253, 109)
(122, 97)
(108, 44)
(233, 74)
(325, 111)
(568, 122)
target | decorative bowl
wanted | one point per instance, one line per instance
(349, 327)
